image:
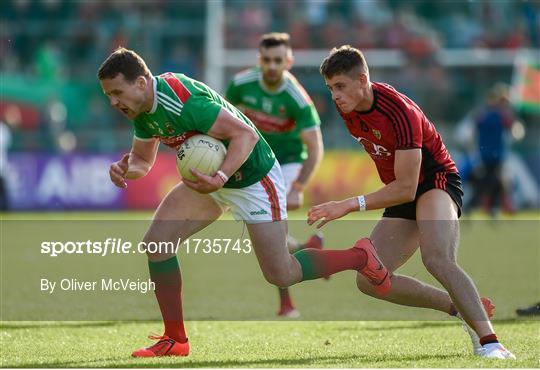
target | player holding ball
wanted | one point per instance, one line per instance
(249, 182)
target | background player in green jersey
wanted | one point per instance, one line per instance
(286, 117)
(166, 107)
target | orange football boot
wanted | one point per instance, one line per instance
(164, 347)
(374, 270)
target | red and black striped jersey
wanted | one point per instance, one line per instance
(395, 122)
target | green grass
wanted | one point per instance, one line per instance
(265, 344)
(502, 257)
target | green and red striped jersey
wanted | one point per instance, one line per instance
(182, 105)
(279, 115)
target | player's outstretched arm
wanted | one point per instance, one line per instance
(330, 211)
(135, 164)
(401, 190)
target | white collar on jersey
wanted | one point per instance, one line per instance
(154, 104)
(283, 86)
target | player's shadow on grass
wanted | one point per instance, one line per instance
(16, 325)
(421, 325)
(175, 362)
(416, 325)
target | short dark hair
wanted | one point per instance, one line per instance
(344, 60)
(124, 61)
(270, 40)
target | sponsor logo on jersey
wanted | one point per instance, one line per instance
(249, 99)
(377, 134)
(268, 123)
(375, 150)
(177, 140)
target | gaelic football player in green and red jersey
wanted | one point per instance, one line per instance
(271, 97)
(164, 109)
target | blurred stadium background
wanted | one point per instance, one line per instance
(60, 135)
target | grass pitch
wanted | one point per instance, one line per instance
(502, 257)
(235, 344)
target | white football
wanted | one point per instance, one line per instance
(200, 152)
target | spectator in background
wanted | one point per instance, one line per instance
(48, 62)
(492, 124)
(5, 142)
(533, 310)
(179, 58)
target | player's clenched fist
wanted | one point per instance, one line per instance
(118, 171)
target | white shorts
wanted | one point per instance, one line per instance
(290, 174)
(264, 201)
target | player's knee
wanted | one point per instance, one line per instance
(156, 249)
(277, 278)
(438, 264)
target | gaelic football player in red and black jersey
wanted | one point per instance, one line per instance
(422, 196)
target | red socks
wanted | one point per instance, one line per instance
(166, 276)
(318, 263)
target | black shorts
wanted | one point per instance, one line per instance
(447, 181)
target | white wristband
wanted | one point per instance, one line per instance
(224, 177)
(361, 202)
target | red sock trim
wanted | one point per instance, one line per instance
(491, 338)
